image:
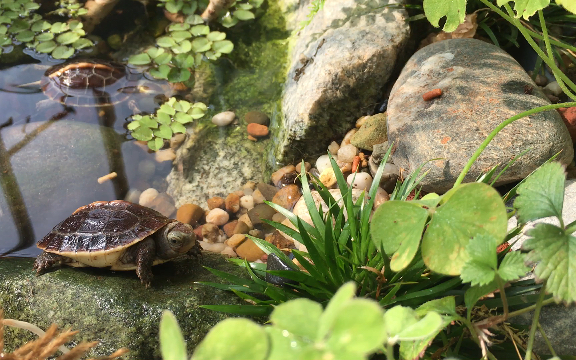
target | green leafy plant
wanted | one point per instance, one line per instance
(169, 119)
(348, 328)
(69, 8)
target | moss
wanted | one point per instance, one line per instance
(113, 307)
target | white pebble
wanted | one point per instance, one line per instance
(228, 251)
(247, 202)
(361, 181)
(347, 153)
(381, 197)
(347, 137)
(133, 196)
(224, 118)
(217, 216)
(391, 169)
(258, 197)
(554, 88)
(322, 163)
(333, 148)
(147, 197)
(212, 247)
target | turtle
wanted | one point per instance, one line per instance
(118, 235)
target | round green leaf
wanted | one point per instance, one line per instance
(178, 75)
(133, 125)
(67, 38)
(428, 326)
(58, 27)
(189, 7)
(174, 6)
(165, 41)
(46, 47)
(167, 109)
(147, 121)
(139, 59)
(177, 128)
(300, 317)
(178, 27)
(216, 36)
(465, 211)
(11, 14)
(183, 118)
(62, 52)
(200, 30)
(31, 6)
(75, 24)
(164, 131)
(244, 6)
(155, 144)
(4, 40)
(184, 60)
(243, 15)
(5, 19)
(142, 133)
(19, 25)
(155, 52)
(163, 59)
(163, 118)
(211, 55)
(82, 44)
(223, 46)
(183, 105)
(196, 113)
(200, 105)
(40, 26)
(25, 36)
(161, 72)
(184, 47)
(194, 20)
(180, 35)
(201, 44)
(4, 29)
(229, 21)
(45, 36)
(250, 341)
(172, 344)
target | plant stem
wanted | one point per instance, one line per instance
(502, 296)
(552, 352)
(389, 352)
(534, 326)
(500, 127)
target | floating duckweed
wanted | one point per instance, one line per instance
(168, 120)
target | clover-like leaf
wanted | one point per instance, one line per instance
(142, 133)
(62, 52)
(199, 30)
(216, 36)
(196, 113)
(180, 35)
(174, 6)
(183, 118)
(480, 268)
(164, 132)
(139, 59)
(183, 106)
(67, 38)
(526, 8)
(178, 75)
(470, 210)
(542, 193)
(147, 121)
(58, 27)
(25, 36)
(154, 52)
(223, 46)
(184, 47)
(344, 294)
(161, 72)
(179, 26)
(555, 252)
(46, 47)
(250, 341)
(165, 42)
(397, 319)
(184, 60)
(454, 10)
(172, 344)
(194, 19)
(40, 26)
(19, 25)
(229, 21)
(166, 108)
(163, 118)
(300, 317)
(155, 144)
(243, 14)
(201, 44)
(163, 59)
(82, 43)
(133, 125)
(177, 127)
(211, 55)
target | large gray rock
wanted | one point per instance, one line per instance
(339, 64)
(482, 86)
(114, 308)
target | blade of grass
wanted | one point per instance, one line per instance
(247, 310)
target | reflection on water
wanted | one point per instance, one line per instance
(51, 157)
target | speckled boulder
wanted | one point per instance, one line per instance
(371, 133)
(482, 86)
(113, 308)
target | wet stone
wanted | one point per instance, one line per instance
(268, 191)
(232, 203)
(257, 117)
(274, 263)
(215, 202)
(372, 132)
(224, 118)
(189, 214)
(229, 227)
(217, 216)
(259, 212)
(249, 251)
(241, 228)
(287, 196)
(257, 130)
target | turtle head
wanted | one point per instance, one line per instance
(176, 239)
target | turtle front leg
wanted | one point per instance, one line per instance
(46, 260)
(145, 255)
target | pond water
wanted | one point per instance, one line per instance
(51, 155)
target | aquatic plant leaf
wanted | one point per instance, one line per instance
(244, 6)
(344, 294)
(58, 27)
(201, 44)
(465, 212)
(75, 25)
(155, 144)
(555, 252)
(19, 26)
(164, 132)
(454, 10)
(211, 55)
(526, 8)
(172, 344)
(256, 3)
(568, 5)
(184, 47)
(4, 40)
(3, 29)
(177, 128)
(161, 72)
(139, 59)
(196, 113)
(180, 35)
(229, 21)
(299, 317)
(178, 27)
(154, 52)
(174, 6)
(62, 52)
(223, 46)
(182, 105)
(163, 58)
(82, 43)
(200, 105)
(5, 19)
(184, 60)
(542, 193)
(148, 122)
(189, 7)
(216, 36)
(480, 268)
(25, 36)
(250, 341)
(142, 133)
(163, 118)
(199, 30)
(67, 38)
(178, 75)
(165, 42)
(243, 15)
(284, 345)
(397, 228)
(194, 20)
(133, 125)
(41, 26)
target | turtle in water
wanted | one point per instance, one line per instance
(118, 235)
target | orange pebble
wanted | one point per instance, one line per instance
(257, 130)
(252, 138)
(355, 163)
(432, 94)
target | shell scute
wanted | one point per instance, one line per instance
(103, 226)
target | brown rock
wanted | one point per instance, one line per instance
(259, 212)
(281, 242)
(278, 174)
(229, 228)
(241, 228)
(198, 232)
(287, 196)
(164, 204)
(256, 233)
(257, 130)
(257, 117)
(215, 202)
(210, 232)
(569, 117)
(249, 251)
(189, 214)
(232, 203)
(252, 138)
(246, 220)
(235, 240)
(268, 191)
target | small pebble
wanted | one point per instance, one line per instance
(229, 227)
(432, 94)
(347, 137)
(554, 88)
(247, 202)
(344, 166)
(278, 174)
(328, 178)
(333, 148)
(133, 195)
(228, 251)
(257, 130)
(278, 217)
(323, 162)
(176, 140)
(146, 169)
(147, 196)
(246, 220)
(249, 185)
(380, 198)
(165, 155)
(217, 216)
(287, 196)
(189, 214)
(267, 190)
(257, 117)
(541, 80)
(235, 240)
(232, 203)
(257, 197)
(215, 202)
(361, 181)
(210, 233)
(240, 228)
(347, 153)
(212, 247)
(224, 118)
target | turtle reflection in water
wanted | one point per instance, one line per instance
(118, 235)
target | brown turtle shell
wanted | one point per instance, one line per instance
(87, 83)
(106, 226)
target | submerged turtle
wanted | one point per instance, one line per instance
(118, 235)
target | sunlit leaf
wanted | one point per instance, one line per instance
(67, 38)
(223, 46)
(180, 35)
(526, 8)
(300, 317)
(201, 44)
(62, 52)
(139, 59)
(172, 344)
(184, 47)
(166, 108)
(25, 36)
(133, 125)
(164, 131)
(183, 118)
(46, 47)
(40, 26)
(480, 268)
(82, 44)
(569, 5)
(155, 144)
(163, 59)
(165, 41)
(177, 127)
(243, 15)
(454, 10)
(194, 20)
(216, 36)
(142, 133)
(155, 52)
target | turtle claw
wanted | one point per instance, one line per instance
(46, 260)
